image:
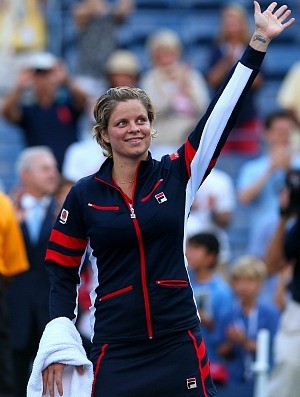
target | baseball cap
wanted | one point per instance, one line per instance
(42, 61)
(123, 61)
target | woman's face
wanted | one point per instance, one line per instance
(233, 23)
(129, 131)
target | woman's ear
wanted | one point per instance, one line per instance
(105, 136)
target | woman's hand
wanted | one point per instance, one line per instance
(269, 24)
(53, 374)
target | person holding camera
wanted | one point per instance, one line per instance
(46, 104)
(284, 250)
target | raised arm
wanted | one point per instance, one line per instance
(269, 24)
(205, 143)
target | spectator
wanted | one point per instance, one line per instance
(97, 22)
(179, 93)
(28, 295)
(13, 261)
(240, 325)
(228, 46)
(47, 104)
(288, 98)
(212, 210)
(260, 180)
(284, 250)
(209, 287)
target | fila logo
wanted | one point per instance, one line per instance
(63, 216)
(191, 383)
(160, 197)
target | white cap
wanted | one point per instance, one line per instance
(42, 61)
(123, 61)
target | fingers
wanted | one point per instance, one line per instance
(288, 23)
(80, 369)
(272, 6)
(257, 7)
(50, 382)
(45, 380)
(51, 375)
(280, 11)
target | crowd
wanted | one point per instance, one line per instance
(50, 99)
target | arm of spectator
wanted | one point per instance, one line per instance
(279, 158)
(285, 276)
(11, 106)
(221, 219)
(79, 96)
(217, 72)
(250, 193)
(274, 256)
(122, 9)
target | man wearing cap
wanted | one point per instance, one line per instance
(46, 104)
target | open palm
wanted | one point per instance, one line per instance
(272, 22)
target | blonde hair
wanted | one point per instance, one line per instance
(244, 20)
(105, 105)
(167, 38)
(248, 266)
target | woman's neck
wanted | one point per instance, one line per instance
(124, 174)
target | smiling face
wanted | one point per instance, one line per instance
(128, 131)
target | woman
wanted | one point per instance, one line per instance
(226, 50)
(178, 91)
(146, 332)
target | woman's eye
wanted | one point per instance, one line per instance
(122, 123)
(142, 120)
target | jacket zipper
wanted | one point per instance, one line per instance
(115, 293)
(142, 265)
(142, 256)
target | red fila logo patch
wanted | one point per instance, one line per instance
(63, 216)
(174, 156)
(160, 197)
(191, 383)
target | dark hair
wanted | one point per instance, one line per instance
(105, 105)
(208, 240)
(279, 114)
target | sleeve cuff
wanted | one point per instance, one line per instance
(252, 58)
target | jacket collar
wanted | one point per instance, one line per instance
(105, 171)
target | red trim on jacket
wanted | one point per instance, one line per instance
(200, 352)
(67, 241)
(189, 154)
(61, 259)
(98, 366)
(150, 194)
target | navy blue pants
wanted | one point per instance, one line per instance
(171, 366)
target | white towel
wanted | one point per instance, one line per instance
(61, 343)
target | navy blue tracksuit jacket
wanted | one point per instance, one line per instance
(141, 286)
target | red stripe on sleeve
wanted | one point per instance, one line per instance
(189, 154)
(67, 241)
(212, 163)
(61, 259)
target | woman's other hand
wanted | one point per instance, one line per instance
(53, 374)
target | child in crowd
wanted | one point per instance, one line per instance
(239, 327)
(212, 293)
